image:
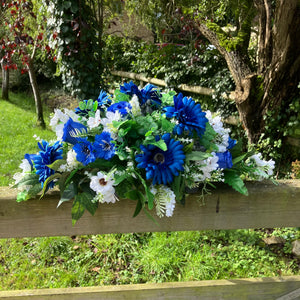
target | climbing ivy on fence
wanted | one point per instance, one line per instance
(73, 35)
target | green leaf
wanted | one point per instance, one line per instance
(47, 181)
(77, 211)
(121, 96)
(207, 138)
(178, 187)
(31, 193)
(135, 195)
(81, 203)
(90, 104)
(160, 144)
(120, 178)
(149, 216)
(82, 105)
(22, 196)
(166, 125)
(167, 98)
(68, 194)
(235, 181)
(197, 155)
(71, 175)
(138, 208)
(101, 163)
(149, 195)
(188, 148)
(28, 179)
(56, 164)
(95, 106)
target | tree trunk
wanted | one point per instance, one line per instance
(5, 82)
(37, 96)
(277, 75)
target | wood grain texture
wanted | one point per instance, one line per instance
(267, 205)
(235, 289)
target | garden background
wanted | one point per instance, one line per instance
(55, 53)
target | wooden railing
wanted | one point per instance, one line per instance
(267, 205)
(183, 87)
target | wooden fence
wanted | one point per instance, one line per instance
(266, 206)
(183, 87)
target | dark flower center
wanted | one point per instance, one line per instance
(102, 182)
(86, 150)
(159, 158)
(107, 146)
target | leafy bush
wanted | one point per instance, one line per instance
(176, 64)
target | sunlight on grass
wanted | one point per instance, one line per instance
(17, 127)
(55, 262)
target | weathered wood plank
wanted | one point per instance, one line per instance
(235, 289)
(267, 205)
(183, 87)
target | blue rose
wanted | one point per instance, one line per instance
(123, 107)
(231, 143)
(225, 160)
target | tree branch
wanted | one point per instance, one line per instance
(236, 61)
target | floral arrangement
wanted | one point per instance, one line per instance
(139, 144)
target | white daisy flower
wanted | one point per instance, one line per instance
(222, 137)
(206, 168)
(135, 104)
(108, 123)
(265, 168)
(103, 184)
(94, 122)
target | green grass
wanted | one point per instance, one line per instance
(138, 258)
(124, 258)
(17, 127)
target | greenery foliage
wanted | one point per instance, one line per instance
(279, 126)
(176, 64)
(73, 35)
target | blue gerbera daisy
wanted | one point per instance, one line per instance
(103, 146)
(189, 115)
(161, 166)
(46, 156)
(85, 152)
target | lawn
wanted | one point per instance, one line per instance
(124, 258)
(17, 127)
